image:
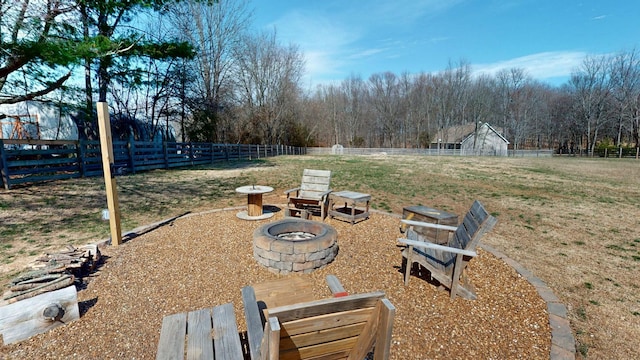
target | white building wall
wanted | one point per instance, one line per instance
(52, 125)
(487, 143)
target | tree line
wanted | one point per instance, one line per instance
(196, 71)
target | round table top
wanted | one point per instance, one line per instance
(254, 189)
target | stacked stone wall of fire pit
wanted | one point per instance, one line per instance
(295, 245)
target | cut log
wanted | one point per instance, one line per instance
(77, 260)
(56, 284)
(23, 319)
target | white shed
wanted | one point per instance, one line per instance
(485, 142)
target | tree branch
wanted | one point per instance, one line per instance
(33, 95)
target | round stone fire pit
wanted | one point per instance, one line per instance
(295, 245)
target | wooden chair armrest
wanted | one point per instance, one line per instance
(324, 194)
(429, 225)
(255, 330)
(335, 286)
(429, 245)
(287, 192)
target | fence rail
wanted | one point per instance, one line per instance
(426, 152)
(32, 161)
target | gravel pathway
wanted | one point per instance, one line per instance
(205, 259)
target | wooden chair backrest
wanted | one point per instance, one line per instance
(314, 183)
(476, 222)
(344, 327)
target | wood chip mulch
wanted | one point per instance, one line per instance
(205, 259)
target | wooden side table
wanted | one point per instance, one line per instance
(356, 205)
(430, 215)
(254, 202)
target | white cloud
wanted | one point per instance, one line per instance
(365, 53)
(409, 10)
(540, 66)
(332, 40)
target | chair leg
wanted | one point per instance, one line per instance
(407, 269)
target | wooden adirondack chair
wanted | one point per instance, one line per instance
(447, 263)
(312, 193)
(347, 327)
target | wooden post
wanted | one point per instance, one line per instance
(131, 149)
(4, 167)
(106, 147)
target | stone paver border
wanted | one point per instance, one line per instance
(562, 341)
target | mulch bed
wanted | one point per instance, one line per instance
(205, 259)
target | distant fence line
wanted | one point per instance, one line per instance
(32, 161)
(426, 152)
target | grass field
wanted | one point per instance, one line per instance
(573, 222)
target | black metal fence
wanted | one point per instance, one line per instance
(32, 161)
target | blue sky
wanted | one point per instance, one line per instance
(547, 38)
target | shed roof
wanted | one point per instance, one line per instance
(457, 134)
(489, 128)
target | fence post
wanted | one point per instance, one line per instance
(4, 167)
(165, 150)
(131, 146)
(258, 151)
(211, 145)
(80, 154)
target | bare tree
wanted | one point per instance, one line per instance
(384, 91)
(424, 97)
(354, 90)
(268, 85)
(452, 88)
(216, 30)
(625, 90)
(482, 101)
(513, 94)
(590, 84)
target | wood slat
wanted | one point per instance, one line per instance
(285, 291)
(226, 340)
(269, 349)
(377, 331)
(319, 336)
(341, 355)
(315, 351)
(327, 321)
(199, 343)
(318, 173)
(326, 306)
(385, 327)
(171, 343)
(254, 321)
(336, 286)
